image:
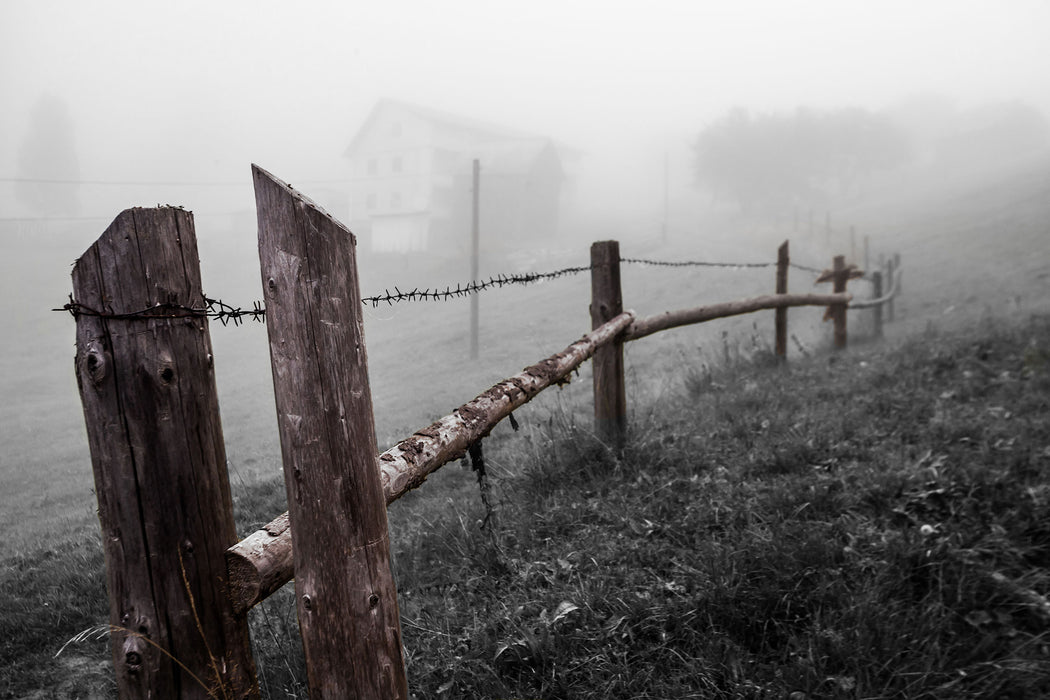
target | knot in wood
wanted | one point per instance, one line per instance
(95, 365)
(133, 660)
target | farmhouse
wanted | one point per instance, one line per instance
(412, 190)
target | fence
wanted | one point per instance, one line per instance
(180, 584)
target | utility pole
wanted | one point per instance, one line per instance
(474, 245)
(667, 180)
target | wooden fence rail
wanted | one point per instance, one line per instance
(179, 584)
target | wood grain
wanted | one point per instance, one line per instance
(345, 592)
(152, 417)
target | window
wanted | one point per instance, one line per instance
(395, 129)
(395, 165)
(395, 200)
(370, 201)
(373, 166)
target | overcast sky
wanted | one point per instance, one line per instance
(197, 90)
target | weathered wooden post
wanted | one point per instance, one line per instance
(890, 283)
(780, 315)
(610, 394)
(145, 372)
(838, 311)
(345, 593)
(876, 311)
(898, 275)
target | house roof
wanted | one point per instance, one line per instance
(484, 130)
(517, 156)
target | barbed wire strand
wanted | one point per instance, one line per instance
(226, 313)
(214, 308)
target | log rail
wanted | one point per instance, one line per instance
(261, 563)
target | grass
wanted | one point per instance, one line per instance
(868, 524)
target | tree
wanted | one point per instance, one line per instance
(47, 153)
(777, 159)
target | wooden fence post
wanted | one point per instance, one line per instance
(890, 283)
(345, 593)
(610, 394)
(780, 315)
(838, 311)
(876, 292)
(152, 414)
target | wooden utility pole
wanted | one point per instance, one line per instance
(475, 244)
(148, 388)
(667, 195)
(345, 593)
(610, 394)
(780, 315)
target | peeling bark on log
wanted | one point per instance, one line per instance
(672, 319)
(262, 562)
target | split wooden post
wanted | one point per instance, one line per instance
(345, 593)
(876, 311)
(148, 389)
(838, 311)
(610, 394)
(780, 315)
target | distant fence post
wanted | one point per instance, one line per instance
(780, 315)
(876, 293)
(610, 395)
(152, 415)
(891, 284)
(838, 311)
(345, 593)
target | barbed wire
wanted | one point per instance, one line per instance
(214, 308)
(693, 263)
(226, 313)
(806, 268)
(461, 290)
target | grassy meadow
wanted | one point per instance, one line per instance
(866, 524)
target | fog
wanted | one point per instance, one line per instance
(108, 105)
(194, 91)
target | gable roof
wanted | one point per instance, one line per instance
(434, 116)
